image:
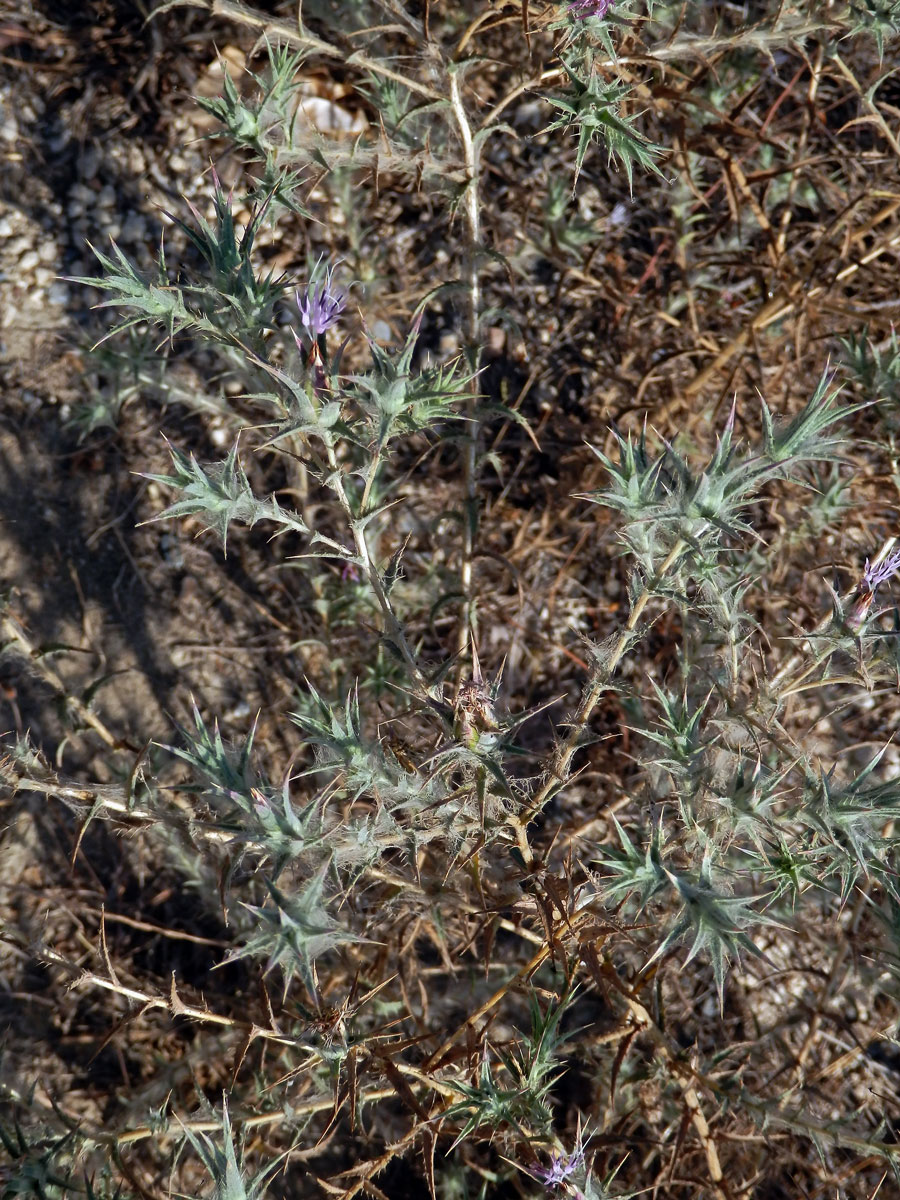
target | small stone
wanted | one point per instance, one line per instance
(58, 293)
(135, 228)
(29, 261)
(137, 161)
(44, 276)
(58, 141)
(18, 246)
(89, 163)
(107, 196)
(496, 339)
(218, 436)
(78, 191)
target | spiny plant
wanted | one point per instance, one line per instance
(438, 927)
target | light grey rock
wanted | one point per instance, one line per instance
(58, 293)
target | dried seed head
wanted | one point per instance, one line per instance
(475, 713)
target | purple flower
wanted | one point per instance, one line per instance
(562, 1166)
(581, 10)
(320, 306)
(872, 577)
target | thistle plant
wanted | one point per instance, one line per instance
(593, 110)
(551, 842)
(225, 1166)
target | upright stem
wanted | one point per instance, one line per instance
(470, 454)
(393, 628)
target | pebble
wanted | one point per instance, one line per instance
(81, 193)
(89, 163)
(48, 252)
(6, 228)
(28, 261)
(135, 228)
(58, 141)
(137, 161)
(44, 276)
(107, 196)
(58, 293)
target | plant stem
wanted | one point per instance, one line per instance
(470, 454)
(393, 628)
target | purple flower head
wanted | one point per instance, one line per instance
(581, 10)
(873, 576)
(320, 305)
(561, 1168)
